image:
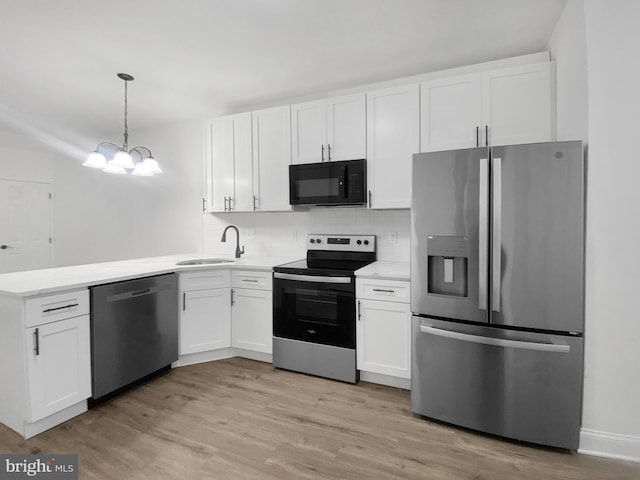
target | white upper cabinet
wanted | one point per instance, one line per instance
(329, 130)
(229, 164)
(271, 158)
(393, 136)
(450, 113)
(498, 107)
(309, 131)
(346, 127)
(517, 104)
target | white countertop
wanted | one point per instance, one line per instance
(386, 269)
(50, 280)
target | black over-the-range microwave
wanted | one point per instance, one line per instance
(328, 183)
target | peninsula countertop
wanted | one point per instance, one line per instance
(50, 280)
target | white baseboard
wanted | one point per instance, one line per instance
(32, 429)
(200, 357)
(609, 445)
(193, 358)
(388, 380)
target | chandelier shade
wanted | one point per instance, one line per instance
(112, 158)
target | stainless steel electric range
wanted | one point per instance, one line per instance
(314, 308)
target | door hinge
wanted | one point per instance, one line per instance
(232, 302)
(50, 196)
(50, 240)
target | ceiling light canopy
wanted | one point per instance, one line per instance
(112, 158)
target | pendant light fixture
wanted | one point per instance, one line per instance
(136, 161)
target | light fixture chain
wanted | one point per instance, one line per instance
(126, 127)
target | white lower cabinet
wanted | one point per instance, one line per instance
(204, 320)
(252, 311)
(58, 365)
(45, 350)
(251, 326)
(223, 309)
(205, 311)
(383, 328)
(383, 338)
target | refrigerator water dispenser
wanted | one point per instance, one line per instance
(447, 259)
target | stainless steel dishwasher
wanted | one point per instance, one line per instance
(134, 332)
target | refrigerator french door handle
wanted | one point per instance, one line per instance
(483, 225)
(496, 235)
(498, 342)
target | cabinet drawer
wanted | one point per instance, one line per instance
(203, 280)
(256, 279)
(388, 290)
(41, 310)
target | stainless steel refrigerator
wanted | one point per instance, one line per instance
(497, 290)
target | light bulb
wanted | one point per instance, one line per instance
(151, 165)
(123, 159)
(141, 171)
(96, 160)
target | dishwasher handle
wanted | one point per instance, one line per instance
(133, 294)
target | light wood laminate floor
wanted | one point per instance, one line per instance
(241, 419)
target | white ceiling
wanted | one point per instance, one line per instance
(198, 58)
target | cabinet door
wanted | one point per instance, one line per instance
(309, 132)
(346, 127)
(242, 200)
(220, 180)
(230, 164)
(205, 320)
(393, 136)
(251, 320)
(450, 113)
(58, 365)
(383, 338)
(517, 104)
(271, 158)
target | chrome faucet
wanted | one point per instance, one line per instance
(224, 239)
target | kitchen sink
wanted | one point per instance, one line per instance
(205, 261)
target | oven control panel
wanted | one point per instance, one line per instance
(344, 243)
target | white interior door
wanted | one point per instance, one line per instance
(25, 225)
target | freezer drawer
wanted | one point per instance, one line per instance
(525, 386)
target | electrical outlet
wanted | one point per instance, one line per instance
(294, 235)
(251, 234)
(392, 237)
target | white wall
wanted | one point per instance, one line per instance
(100, 217)
(284, 233)
(569, 52)
(611, 422)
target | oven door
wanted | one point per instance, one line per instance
(315, 309)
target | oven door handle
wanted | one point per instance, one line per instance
(311, 278)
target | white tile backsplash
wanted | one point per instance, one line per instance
(284, 233)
